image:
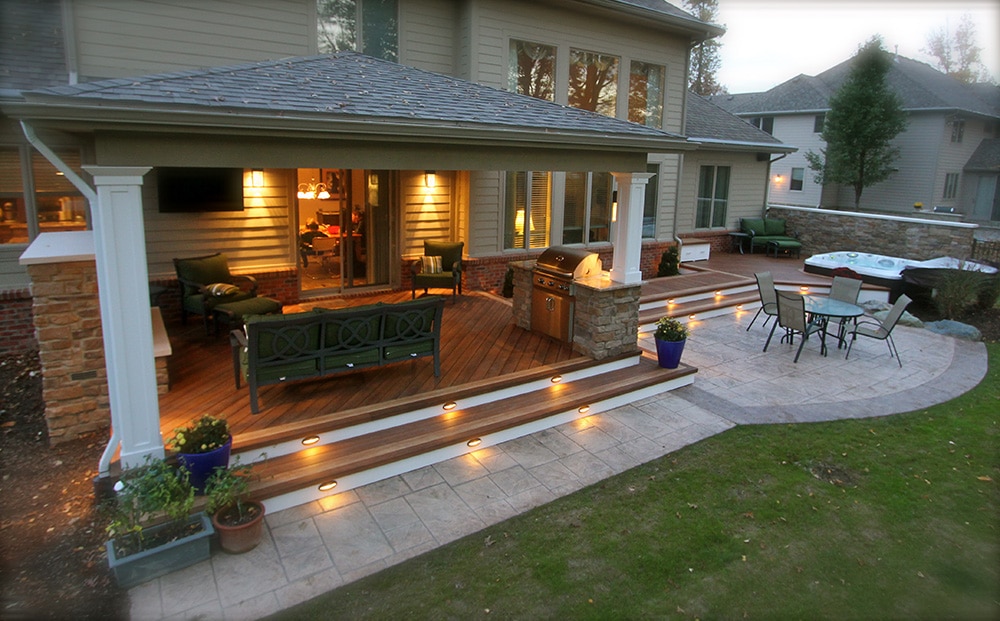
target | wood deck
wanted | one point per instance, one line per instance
(478, 341)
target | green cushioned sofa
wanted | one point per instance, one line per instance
(272, 349)
(764, 230)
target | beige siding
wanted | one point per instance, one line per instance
(255, 238)
(154, 36)
(796, 130)
(13, 275)
(428, 35)
(746, 187)
(485, 213)
(667, 187)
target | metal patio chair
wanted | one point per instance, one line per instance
(881, 330)
(768, 301)
(792, 317)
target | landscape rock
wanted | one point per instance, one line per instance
(956, 329)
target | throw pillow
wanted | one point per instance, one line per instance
(431, 265)
(220, 289)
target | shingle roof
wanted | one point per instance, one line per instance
(920, 86)
(340, 86)
(31, 45)
(707, 121)
(986, 157)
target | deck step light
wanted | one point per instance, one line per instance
(451, 405)
(325, 487)
(310, 440)
(584, 409)
(556, 379)
(474, 442)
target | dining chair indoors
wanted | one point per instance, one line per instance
(768, 301)
(792, 317)
(881, 330)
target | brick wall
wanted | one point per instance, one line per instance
(67, 322)
(824, 230)
(17, 327)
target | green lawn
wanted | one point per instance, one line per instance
(889, 518)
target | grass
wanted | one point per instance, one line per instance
(888, 518)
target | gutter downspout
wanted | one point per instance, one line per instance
(767, 185)
(104, 466)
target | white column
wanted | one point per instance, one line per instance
(123, 287)
(628, 231)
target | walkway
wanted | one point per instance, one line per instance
(314, 548)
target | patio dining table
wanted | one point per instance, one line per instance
(823, 308)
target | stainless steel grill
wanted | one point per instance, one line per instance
(553, 293)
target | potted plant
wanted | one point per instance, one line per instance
(238, 520)
(202, 446)
(670, 336)
(151, 528)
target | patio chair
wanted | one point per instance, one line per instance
(768, 301)
(792, 317)
(205, 282)
(441, 266)
(846, 290)
(881, 330)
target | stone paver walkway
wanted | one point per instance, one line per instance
(314, 548)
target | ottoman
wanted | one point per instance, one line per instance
(234, 312)
(784, 246)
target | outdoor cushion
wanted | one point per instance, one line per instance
(774, 226)
(752, 226)
(431, 265)
(221, 289)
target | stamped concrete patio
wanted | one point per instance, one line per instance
(314, 548)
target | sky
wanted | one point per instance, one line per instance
(770, 41)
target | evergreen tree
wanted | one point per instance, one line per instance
(705, 61)
(865, 115)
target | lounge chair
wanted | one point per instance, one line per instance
(792, 317)
(768, 301)
(881, 330)
(206, 282)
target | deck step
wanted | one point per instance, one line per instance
(716, 305)
(294, 479)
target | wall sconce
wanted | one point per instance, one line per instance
(614, 206)
(313, 190)
(430, 179)
(257, 178)
(778, 179)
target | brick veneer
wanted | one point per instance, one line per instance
(67, 322)
(17, 328)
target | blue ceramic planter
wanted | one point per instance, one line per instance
(669, 353)
(201, 465)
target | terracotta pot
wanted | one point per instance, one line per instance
(240, 538)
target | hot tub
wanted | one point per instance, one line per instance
(889, 272)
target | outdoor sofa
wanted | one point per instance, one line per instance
(769, 234)
(271, 349)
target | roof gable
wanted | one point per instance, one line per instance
(706, 121)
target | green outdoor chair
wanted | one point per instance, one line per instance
(205, 282)
(445, 273)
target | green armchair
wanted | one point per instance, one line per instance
(205, 282)
(447, 274)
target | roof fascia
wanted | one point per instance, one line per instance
(714, 144)
(695, 28)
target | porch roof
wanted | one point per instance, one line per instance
(346, 96)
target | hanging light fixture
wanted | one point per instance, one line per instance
(313, 190)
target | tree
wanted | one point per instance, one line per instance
(958, 55)
(705, 61)
(865, 115)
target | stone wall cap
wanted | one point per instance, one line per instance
(60, 247)
(603, 282)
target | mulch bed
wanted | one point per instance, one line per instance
(52, 534)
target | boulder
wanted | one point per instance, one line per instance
(956, 329)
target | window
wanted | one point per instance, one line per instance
(818, 121)
(593, 82)
(649, 207)
(713, 196)
(645, 94)
(587, 208)
(765, 123)
(957, 130)
(342, 23)
(798, 175)
(53, 204)
(950, 185)
(526, 210)
(532, 69)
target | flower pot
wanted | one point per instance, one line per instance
(201, 465)
(669, 353)
(242, 537)
(163, 559)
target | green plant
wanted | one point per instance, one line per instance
(201, 436)
(956, 291)
(148, 495)
(226, 490)
(670, 262)
(670, 329)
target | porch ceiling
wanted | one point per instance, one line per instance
(359, 106)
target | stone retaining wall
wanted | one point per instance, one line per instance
(825, 230)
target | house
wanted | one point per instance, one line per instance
(946, 160)
(504, 125)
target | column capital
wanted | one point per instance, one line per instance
(117, 175)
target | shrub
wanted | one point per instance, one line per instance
(957, 291)
(669, 329)
(669, 263)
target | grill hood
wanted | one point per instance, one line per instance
(567, 262)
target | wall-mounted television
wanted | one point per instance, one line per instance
(192, 190)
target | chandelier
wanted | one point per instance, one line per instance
(313, 190)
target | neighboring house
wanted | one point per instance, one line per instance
(945, 161)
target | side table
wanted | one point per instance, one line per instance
(738, 241)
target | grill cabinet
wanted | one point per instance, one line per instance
(553, 292)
